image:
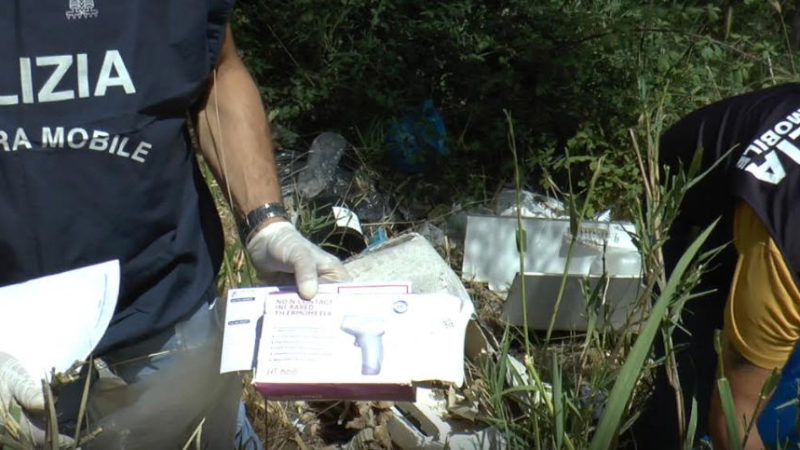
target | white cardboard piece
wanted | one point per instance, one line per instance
(618, 298)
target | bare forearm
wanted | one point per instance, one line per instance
(746, 381)
(234, 135)
(719, 431)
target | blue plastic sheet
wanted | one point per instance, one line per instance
(416, 141)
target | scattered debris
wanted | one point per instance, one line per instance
(433, 234)
(460, 406)
(530, 204)
(414, 142)
(449, 416)
(338, 230)
(323, 161)
(517, 375)
(371, 205)
(409, 257)
(596, 269)
(490, 250)
(610, 299)
(427, 424)
(440, 413)
(594, 398)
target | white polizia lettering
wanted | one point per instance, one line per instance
(26, 80)
(113, 74)
(48, 91)
(113, 61)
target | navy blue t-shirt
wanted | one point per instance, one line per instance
(95, 162)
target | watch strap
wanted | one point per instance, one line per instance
(258, 215)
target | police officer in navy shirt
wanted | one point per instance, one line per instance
(751, 145)
(96, 164)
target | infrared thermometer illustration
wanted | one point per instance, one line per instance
(368, 331)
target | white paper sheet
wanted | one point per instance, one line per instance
(52, 322)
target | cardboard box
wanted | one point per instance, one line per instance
(600, 251)
(490, 249)
(368, 342)
(615, 300)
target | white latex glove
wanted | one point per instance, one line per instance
(17, 386)
(279, 247)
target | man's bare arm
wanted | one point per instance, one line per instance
(234, 135)
(746, 381)
(235, 139)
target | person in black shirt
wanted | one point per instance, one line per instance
(751, 141)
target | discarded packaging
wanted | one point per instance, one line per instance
(325, 175)
(433, 234)
(530, 205)
(428, 423)
(490, 250)
(456, 224)
(421, 425)
(411, 257)
(378, 237)
(615, 300)
(416, 141)
(340, 232)
(407, 257)
(373, 341)
(326, 151)
(517, 375)
(600, 251)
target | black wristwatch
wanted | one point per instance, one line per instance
(257, 216)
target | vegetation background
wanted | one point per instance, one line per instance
(574, 74)
(576, 88)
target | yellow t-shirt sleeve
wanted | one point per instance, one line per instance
(762, 314)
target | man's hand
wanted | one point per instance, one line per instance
(279, 247)
(17, 386)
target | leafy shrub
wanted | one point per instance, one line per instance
(574, 74)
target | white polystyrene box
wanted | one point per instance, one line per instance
(490, 249)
